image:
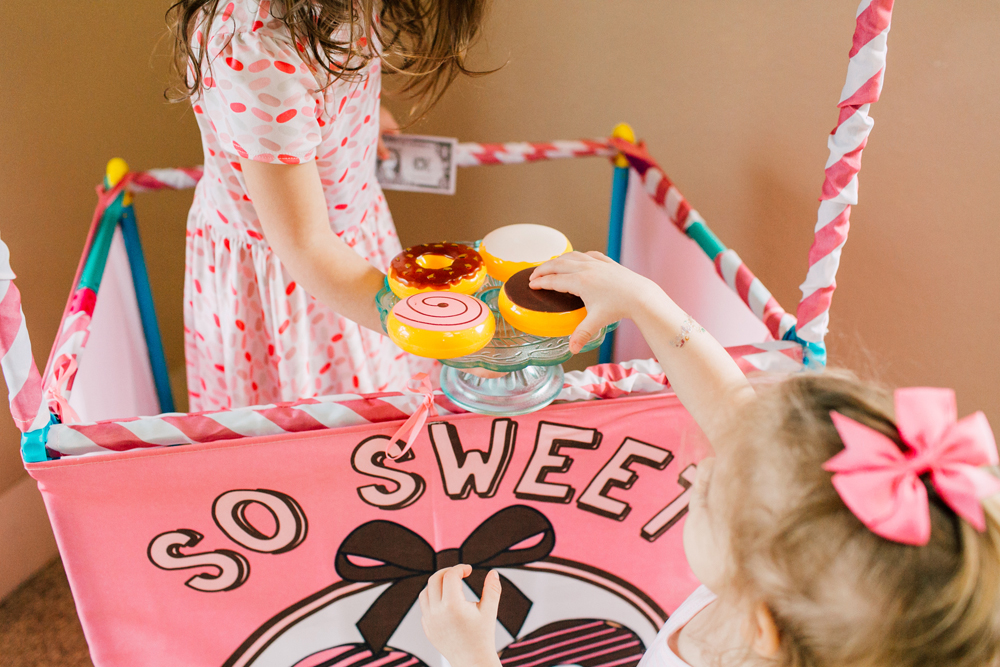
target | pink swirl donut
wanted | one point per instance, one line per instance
(441, 311)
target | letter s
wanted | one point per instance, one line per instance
(396, 488)
(232, 568)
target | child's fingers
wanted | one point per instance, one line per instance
(452, 584)
(601, 256)
(559, 282)
(434, 586)
(490, 601)
(387, 122)
(585, 332)
(571, 261)
(424, 602)
(382, 151)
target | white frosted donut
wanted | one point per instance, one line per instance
(514, 248)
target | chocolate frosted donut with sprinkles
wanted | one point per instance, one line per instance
(437, 267)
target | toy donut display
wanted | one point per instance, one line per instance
(467, 332)
(539, 312)
(437, 267)
(440, 325)
(514, 248)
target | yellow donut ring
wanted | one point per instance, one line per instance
(440, 325)
(537, 322)
(503, 261)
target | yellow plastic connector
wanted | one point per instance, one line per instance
(623, 131)
(115, 172)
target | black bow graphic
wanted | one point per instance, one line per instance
(409, 561)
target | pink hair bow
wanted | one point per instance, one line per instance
(881, 485)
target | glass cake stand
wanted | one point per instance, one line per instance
(532, 365)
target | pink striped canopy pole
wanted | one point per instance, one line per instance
(24, 384)
(840, 188)
(466, 155)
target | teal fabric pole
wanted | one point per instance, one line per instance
(147, 311)
(616, 222)
(93, 268)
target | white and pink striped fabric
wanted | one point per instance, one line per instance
(865, 75)
(758, 298)
(24, 383)
(471, 154)
(165, 179)
(728, 264)
(466, 155)
(597, 382)
(644, 376)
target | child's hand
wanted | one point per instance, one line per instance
(387, 125)
(607, 288)
(463, 631)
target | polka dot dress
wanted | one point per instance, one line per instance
(252, 336)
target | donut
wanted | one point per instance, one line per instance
(440, 325)
(359, 655)
(585, 642)
(436, 267)
(516, 247)
(539, 312)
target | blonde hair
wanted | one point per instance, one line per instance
(840, 594)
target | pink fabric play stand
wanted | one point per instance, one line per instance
(108, 508)
(281, 536)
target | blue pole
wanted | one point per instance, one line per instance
(147, 310)
(616, 222)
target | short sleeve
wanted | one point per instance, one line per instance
(263, 100)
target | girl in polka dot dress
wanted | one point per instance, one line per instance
(289, 233)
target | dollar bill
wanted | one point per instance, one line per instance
(418, 164)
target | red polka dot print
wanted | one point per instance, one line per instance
(253, 335)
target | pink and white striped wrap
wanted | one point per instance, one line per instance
(865, 75)
(24, 384)
(730, 267)
(466, 155)
(165, 179)
(597, 382)
(70, 342)
(471, 154)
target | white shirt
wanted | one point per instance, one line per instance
(659, 654)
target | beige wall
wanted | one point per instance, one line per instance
(735, 100)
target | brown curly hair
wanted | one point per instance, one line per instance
(840, 594)
(425, 41)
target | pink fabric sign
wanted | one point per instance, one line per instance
(309, 549)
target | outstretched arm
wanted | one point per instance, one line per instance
(293, 214)
(706, 379)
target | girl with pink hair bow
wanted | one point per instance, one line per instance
(836, 525)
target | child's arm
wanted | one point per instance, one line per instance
(464, 632)
(293, 213)
(707, 380)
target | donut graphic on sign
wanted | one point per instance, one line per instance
(552, 611)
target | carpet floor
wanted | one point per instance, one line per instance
(38, 624)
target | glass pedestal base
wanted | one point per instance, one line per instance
(517, 393)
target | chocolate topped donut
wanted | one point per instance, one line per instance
(539, 300)
(436, 265)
